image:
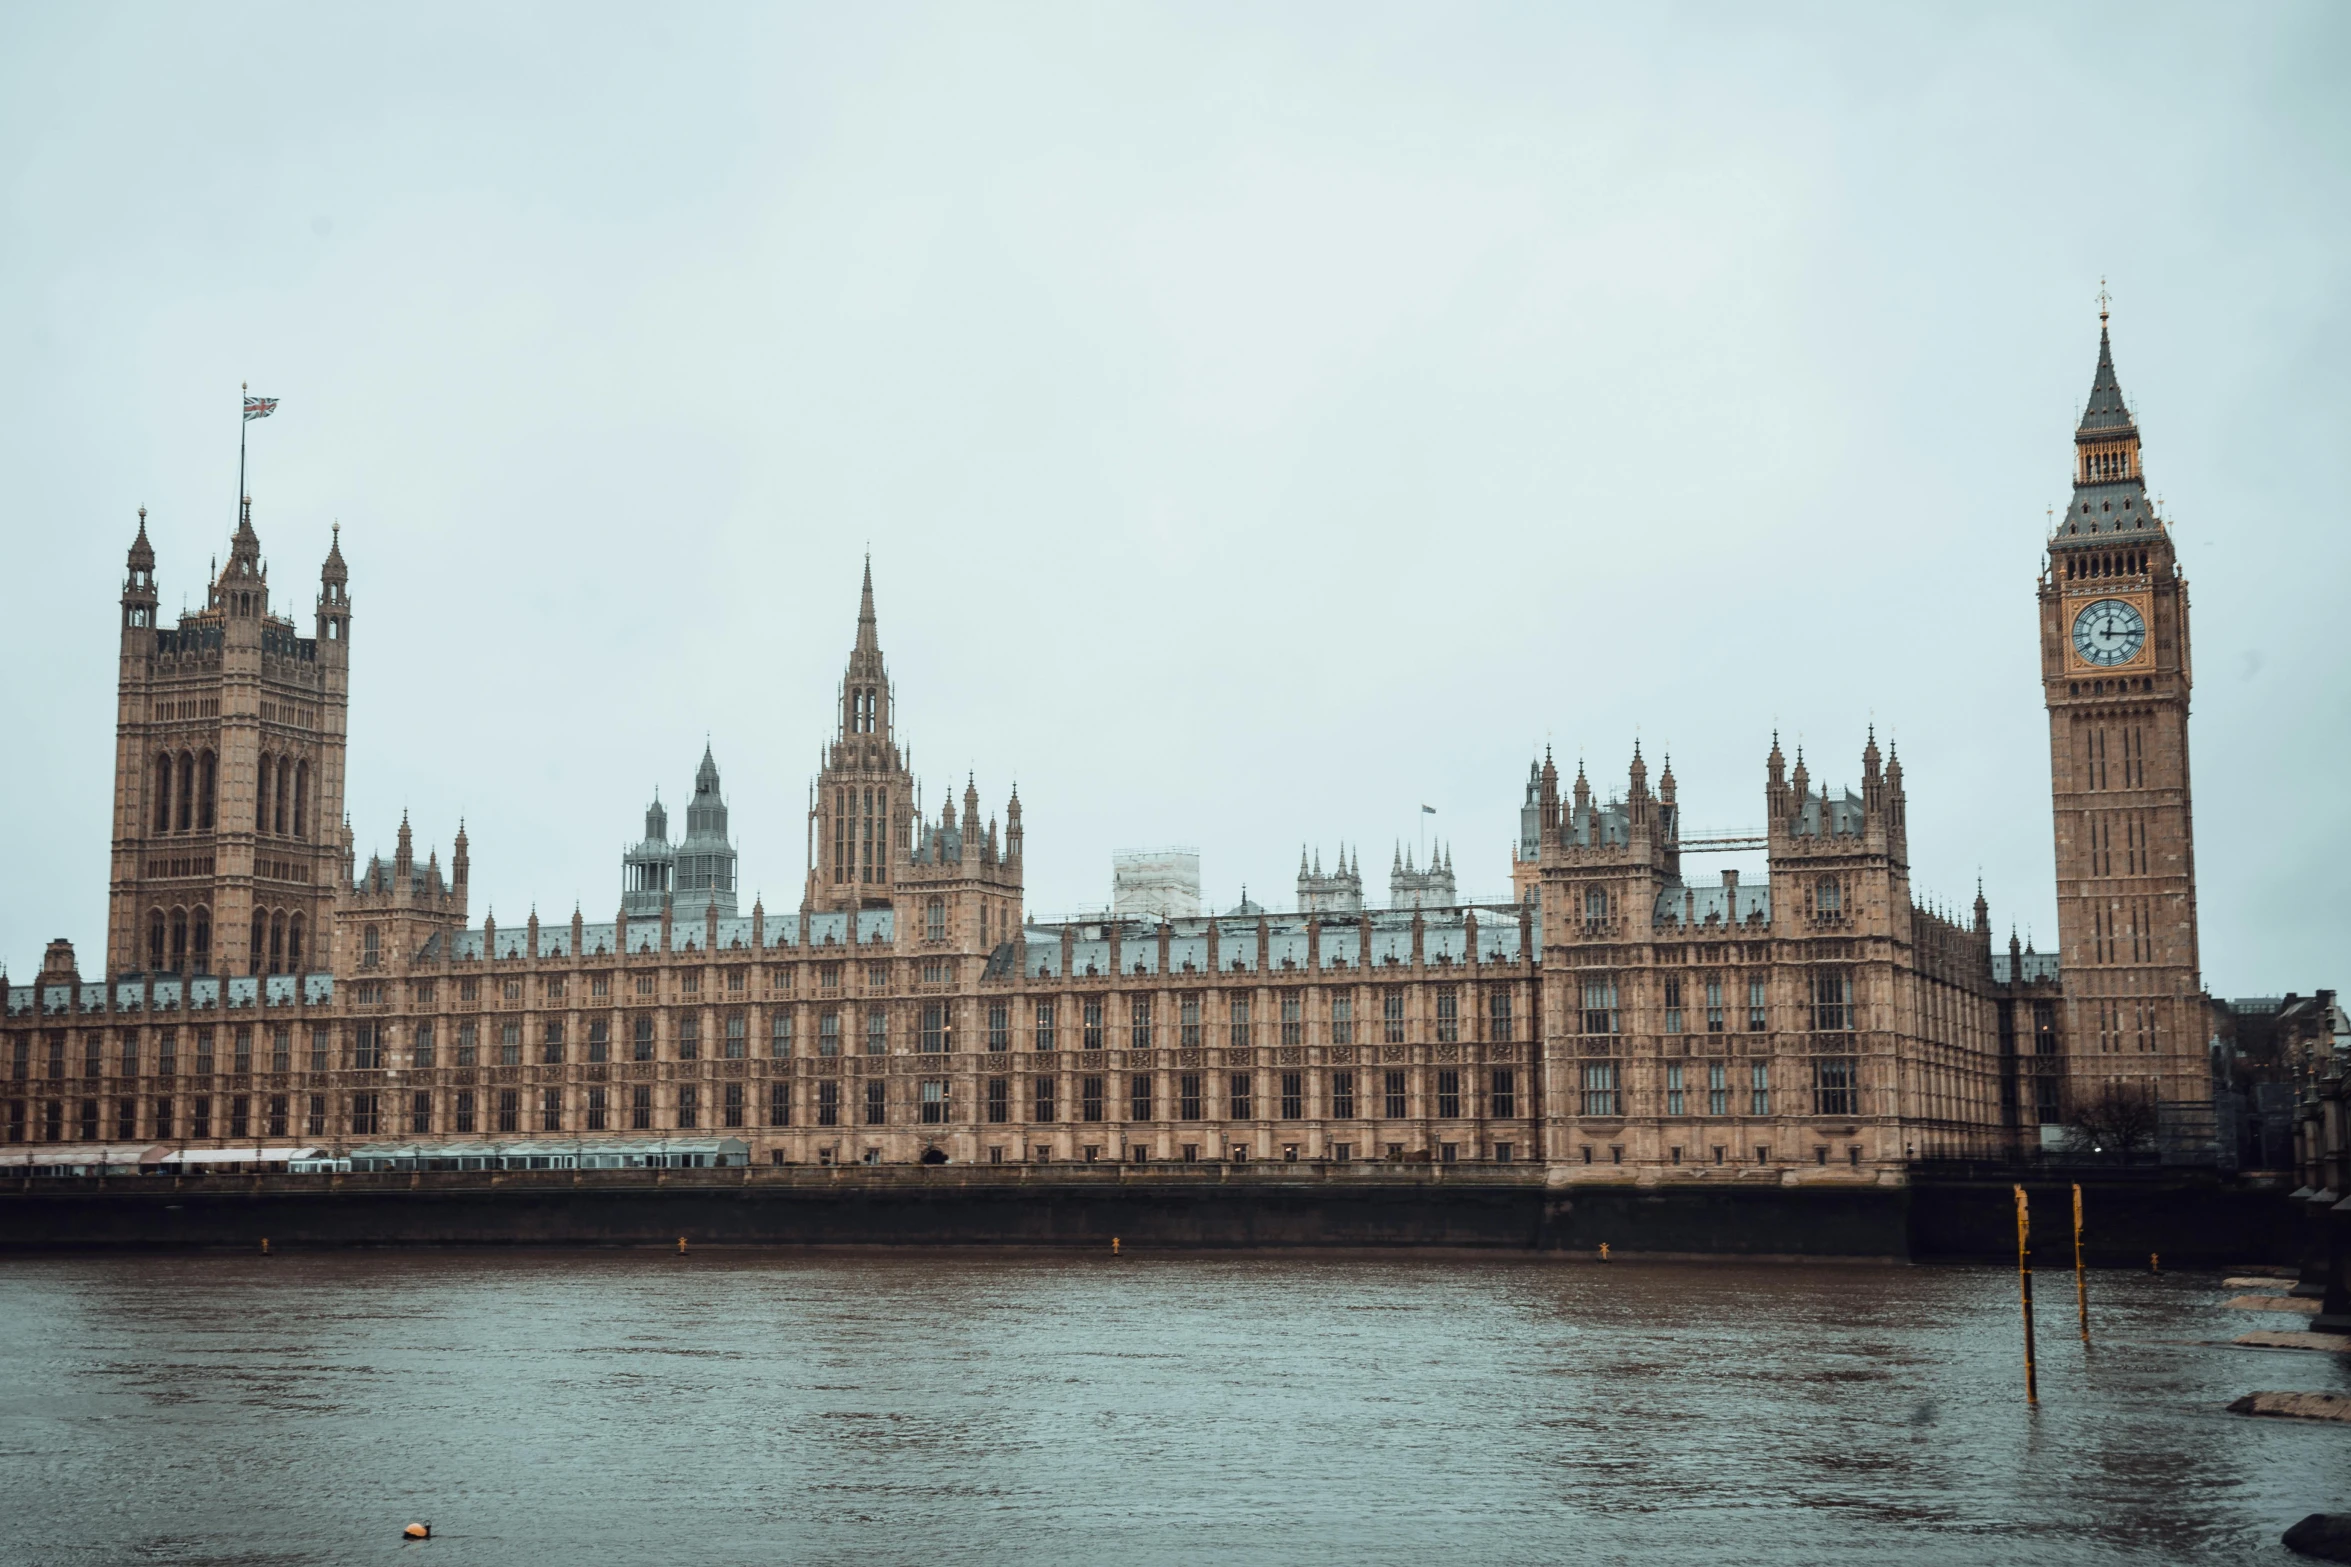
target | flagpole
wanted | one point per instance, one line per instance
(242, 388)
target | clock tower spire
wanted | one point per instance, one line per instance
(2115, 676)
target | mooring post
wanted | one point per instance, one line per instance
(2081, 1282)
(2024, 1277)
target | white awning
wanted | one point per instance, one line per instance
(249, 1154)
(82, 1154)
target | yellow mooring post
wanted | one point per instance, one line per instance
(2081, 1281)
(2024, 1276)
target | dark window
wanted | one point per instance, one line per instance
(420, 1113)
(1238, 1097)
(779, 1104)
(1599, 1006)
(1832, 1000)
(828, 1104)
(1835, 1090)
(464, 1113)
(1188, 1097)
(1045, 1026)
(1293, 1096)
(1392, 1014)
(509, 1110)
(1343, 1096)
(1139, 1097)
(600, 1040)
(551, 1042)
(597, 1110)
(1044, 1098)
(934, 1101)
(999, 1100)
(689, 1038)
(738, 1034)
(365, 1121)
(1448, 1015)
(999, 1026)
(1093, 1023)
(642, 1046)
(934, 1028)
(1449, 1095)
(1395, 1096)
(1505, 1093)
(1090, 1098)
(550, 1109)
(877, 1102)
(1498, 1019)
(1140, 1020)
(641, 1108)
(1293, 1026)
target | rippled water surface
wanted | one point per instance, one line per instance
(892, 1407)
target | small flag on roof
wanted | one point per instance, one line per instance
(259, 407)
(1430, 809)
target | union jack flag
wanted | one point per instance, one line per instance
(259, 407)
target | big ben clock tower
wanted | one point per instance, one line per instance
(2115, 673)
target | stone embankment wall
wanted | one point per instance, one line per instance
(2190, 1220)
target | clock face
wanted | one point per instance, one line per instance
(2109, 632)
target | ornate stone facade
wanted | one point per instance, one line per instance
(1616, 1021)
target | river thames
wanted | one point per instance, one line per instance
(895, 1407)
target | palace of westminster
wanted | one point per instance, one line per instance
(1613, 1022)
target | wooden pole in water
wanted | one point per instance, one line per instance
(2024, 1276)
(2081, 1281)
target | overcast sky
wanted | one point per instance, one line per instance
(1265, 421)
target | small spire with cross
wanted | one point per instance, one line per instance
(2104, 301)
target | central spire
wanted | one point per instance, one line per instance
(2106, 416)
(865, 688)
(868, 638)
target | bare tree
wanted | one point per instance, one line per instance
(2119, 1119)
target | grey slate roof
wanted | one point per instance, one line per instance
(1694, 906)
(2105, 413)
(2039, 967)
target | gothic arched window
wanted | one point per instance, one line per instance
(301, 797)
(200, 940)
(261, 795)
(935, 919)
(206, 792)
(155, 930)
(187, 817)
(179, 941)
(294, 945)
(163, 792)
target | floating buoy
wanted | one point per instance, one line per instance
(417, 1531)
(681, 1245)
(1114, 1245)
(265, 1245)
(2154, 1262)
(1603, 1251)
